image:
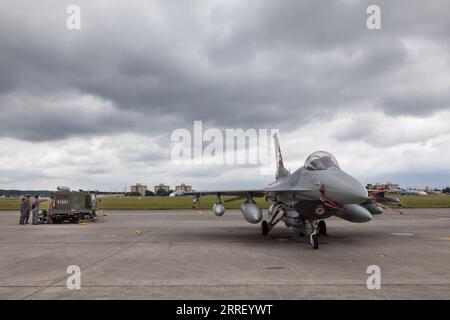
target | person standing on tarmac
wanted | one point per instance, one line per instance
(23, 211)
(35, 216)
(28, 203)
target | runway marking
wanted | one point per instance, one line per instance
(109, 236)
(199, 211)
(404, 234)
(445, 238)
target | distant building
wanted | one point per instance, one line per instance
(381, 186)
(183, 187)
(139, 188)
(163, 187)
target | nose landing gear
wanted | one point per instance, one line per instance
(314, 241)
(312, 227)
(322, 228)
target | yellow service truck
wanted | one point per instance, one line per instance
(71, 206)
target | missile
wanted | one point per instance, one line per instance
(372, 207)
(354, 213)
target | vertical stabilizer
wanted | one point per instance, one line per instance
(281, 170)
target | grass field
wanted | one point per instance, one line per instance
(430, 201)
(161, 203)
(144, 203)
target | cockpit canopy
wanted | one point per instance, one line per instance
(321, 160)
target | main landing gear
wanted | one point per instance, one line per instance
(312, 227)
(278, 214)
(264, 228)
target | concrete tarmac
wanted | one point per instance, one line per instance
(191, 254)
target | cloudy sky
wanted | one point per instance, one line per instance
(95, 108)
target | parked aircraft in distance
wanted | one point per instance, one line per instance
(407, 192)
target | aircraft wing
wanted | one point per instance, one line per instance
(283, 188)
(246, 192)
(237, 193)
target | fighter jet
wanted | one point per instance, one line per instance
(304, 198)
(177, 193)
(408, 192)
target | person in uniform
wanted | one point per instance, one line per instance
(35, 216)
(23, 211)
(28, 204)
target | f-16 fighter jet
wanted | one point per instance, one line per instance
(303, 199)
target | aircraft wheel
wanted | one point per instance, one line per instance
(322, 228)
(264, 228)
(315, 241)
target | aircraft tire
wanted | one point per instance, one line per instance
(264, 228)
(322, 228)
(315, 241)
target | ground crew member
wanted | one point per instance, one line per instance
(23, 211)
(28, 202)
(35, 216)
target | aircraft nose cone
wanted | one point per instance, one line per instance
(356, 194)
(345, 189)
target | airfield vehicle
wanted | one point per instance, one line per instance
(72, 206)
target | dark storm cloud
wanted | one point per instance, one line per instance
(249, 65)
(416, 102)
(43, 117)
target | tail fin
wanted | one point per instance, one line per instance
(281, 170)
